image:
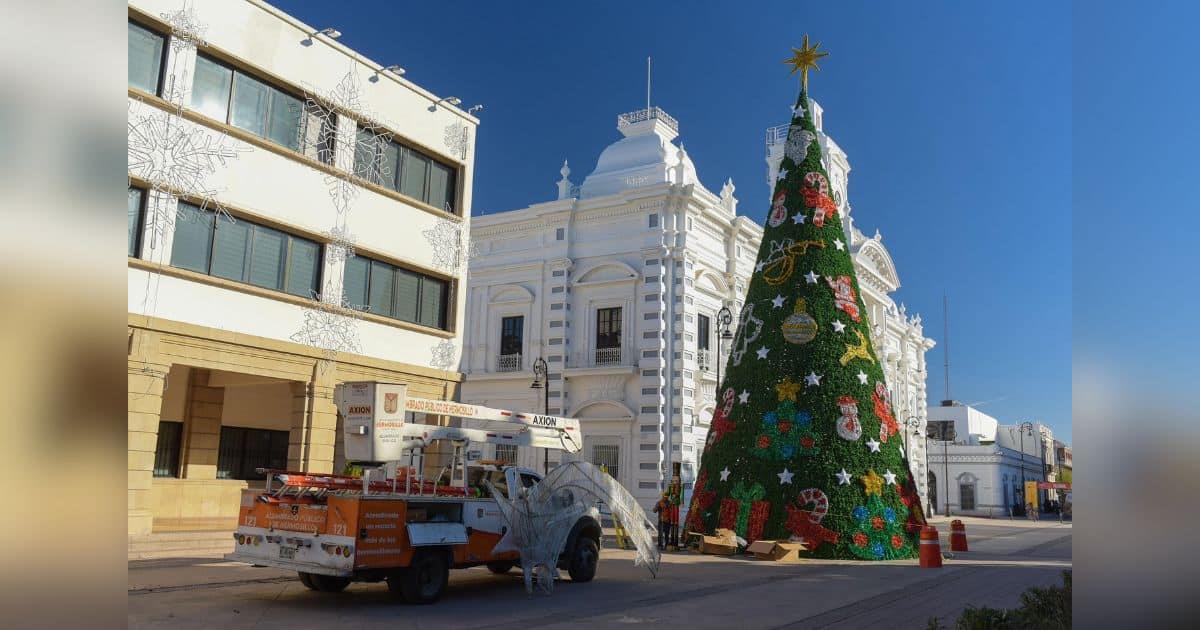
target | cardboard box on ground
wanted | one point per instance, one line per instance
(776, 550)
(723, 542)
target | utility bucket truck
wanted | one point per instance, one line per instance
(394, 523)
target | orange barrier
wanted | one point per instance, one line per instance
(958, 536)
(931, 549)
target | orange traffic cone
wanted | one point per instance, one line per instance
(958, 536)
(931, 549)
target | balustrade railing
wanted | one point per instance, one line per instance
(705, 357)
(601, 357)
(643, 115)
(509, 363)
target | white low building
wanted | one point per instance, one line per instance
(980, 470)
(618, 282)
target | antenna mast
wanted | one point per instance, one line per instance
(647, 85)
(946, 337)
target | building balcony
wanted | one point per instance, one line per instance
(617, 360)
(509, 362)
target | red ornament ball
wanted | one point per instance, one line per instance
(764, 441)
(876, 522)
(785, 427)
(860, 539)
(897, 541)
(807, 442)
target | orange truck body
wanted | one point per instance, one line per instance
(345, 534)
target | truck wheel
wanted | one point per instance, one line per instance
(584, 558)
(306, 580)
(425, 580)
(501, 567)
(328, 583)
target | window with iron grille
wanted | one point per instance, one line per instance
(166, 452)
(506, 453)
(609, 456)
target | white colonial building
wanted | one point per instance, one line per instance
(980, 469)
(618, 284)
(295, 216)
(899, 338)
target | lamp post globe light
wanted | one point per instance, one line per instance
(724, 319)
(541, 380)
(1023, 429)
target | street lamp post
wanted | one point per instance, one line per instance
(724, 319)
(914, 423)
(1022, 429)
(541, 380)
(945, 432)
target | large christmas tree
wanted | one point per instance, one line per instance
(804, 443)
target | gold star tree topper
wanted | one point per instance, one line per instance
(803, 58)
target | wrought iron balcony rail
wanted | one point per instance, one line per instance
(509, 363)
(642, 115)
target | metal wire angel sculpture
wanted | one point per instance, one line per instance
(540, 519)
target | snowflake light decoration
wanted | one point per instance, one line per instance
(176, 159)
(458, 139)
(319, 138)
(331, 326)
(186, 27)
(443, 354)
(798, 142)
(341, 244)
(446, 240)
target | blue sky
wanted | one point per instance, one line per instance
(956, 118)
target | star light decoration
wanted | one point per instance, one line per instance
(787, 389)
(873, 445)
(890, 478)
(872, 483)
(813, 379)
(725, 473)
(843, 477)
(805, 58)
(778, 301)
(744, 397)
(785, 476)
(838, 325)
(862, 377)
(798, 218)
(811, 277)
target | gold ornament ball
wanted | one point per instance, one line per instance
(799, 328)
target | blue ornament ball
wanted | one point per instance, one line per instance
(889, 515)
(860, 513)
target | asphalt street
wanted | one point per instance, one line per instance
(690, 590)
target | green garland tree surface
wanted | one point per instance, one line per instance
(803, 442)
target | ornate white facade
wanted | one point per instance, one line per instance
(641, 235)
(899, 338)
(644, 235)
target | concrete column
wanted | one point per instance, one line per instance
(202, 427)
(146, 382)
(314, 425)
